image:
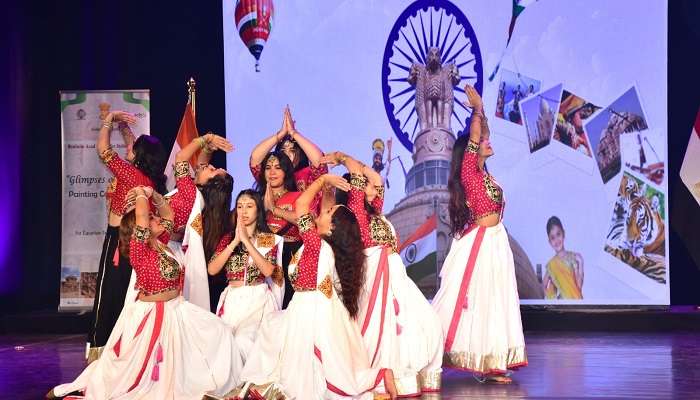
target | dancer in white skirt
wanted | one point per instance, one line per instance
(314, 349)
(250, 257)
(187, 203)
(478, 300)
(399, 327)
(162, 347)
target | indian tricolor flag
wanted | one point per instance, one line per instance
(518, 8)
(186, 134)
(419, 251)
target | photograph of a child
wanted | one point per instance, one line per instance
(563, 277)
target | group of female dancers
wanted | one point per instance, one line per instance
(318, 303)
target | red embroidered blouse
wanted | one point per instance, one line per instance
(126, 176)
(240, 266)
(304, 276)
(484, 196)
(373, 229)
(157, 271)
(286, 202)
(183, 200)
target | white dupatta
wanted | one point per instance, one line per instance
(195, 287)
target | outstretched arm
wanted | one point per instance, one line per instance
(129, 139)
(303, 203)
(260, 151)
(478, 119)
(142, 210)
(103, 139)
(207, 143)
(313, 153)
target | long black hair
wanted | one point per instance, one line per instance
(289, 183)
(460, 214)
(260, 222)
(217, 194)
(341, 197)
(346, 242)
(302, 157)
(150, 158)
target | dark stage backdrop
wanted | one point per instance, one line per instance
(89, 45)
(52, 46)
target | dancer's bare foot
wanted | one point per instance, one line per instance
(389, 384)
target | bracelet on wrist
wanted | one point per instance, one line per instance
(138, 196)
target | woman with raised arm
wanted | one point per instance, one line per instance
(250, 256)
(314, 349)
(194, 198)
(144, 165)
(304, 155)
(478, 300)
(399, 328)
(162, 347)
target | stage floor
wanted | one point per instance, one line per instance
(563, 365)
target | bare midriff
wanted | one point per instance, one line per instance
(164, 296)
(489, 220)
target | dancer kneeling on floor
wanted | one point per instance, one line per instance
(250, 256)
(162, 347)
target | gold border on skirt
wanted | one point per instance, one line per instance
(486, 362)
(94, 353)
(430, 380)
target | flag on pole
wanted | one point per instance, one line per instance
(685, 211)
(419, 251)
(186, 134)
(518, 8)
(690, 169)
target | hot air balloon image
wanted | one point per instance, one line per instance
(254, 23)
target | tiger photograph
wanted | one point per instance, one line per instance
(637, 230)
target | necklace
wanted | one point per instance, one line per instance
(281, 193)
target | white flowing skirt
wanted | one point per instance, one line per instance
(399, 327)
(313, 350)
(243, 309)
(478, 304)
(162, 350)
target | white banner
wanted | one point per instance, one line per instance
(85, 180)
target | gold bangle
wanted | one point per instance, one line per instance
(107, 125)
(202, 142)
